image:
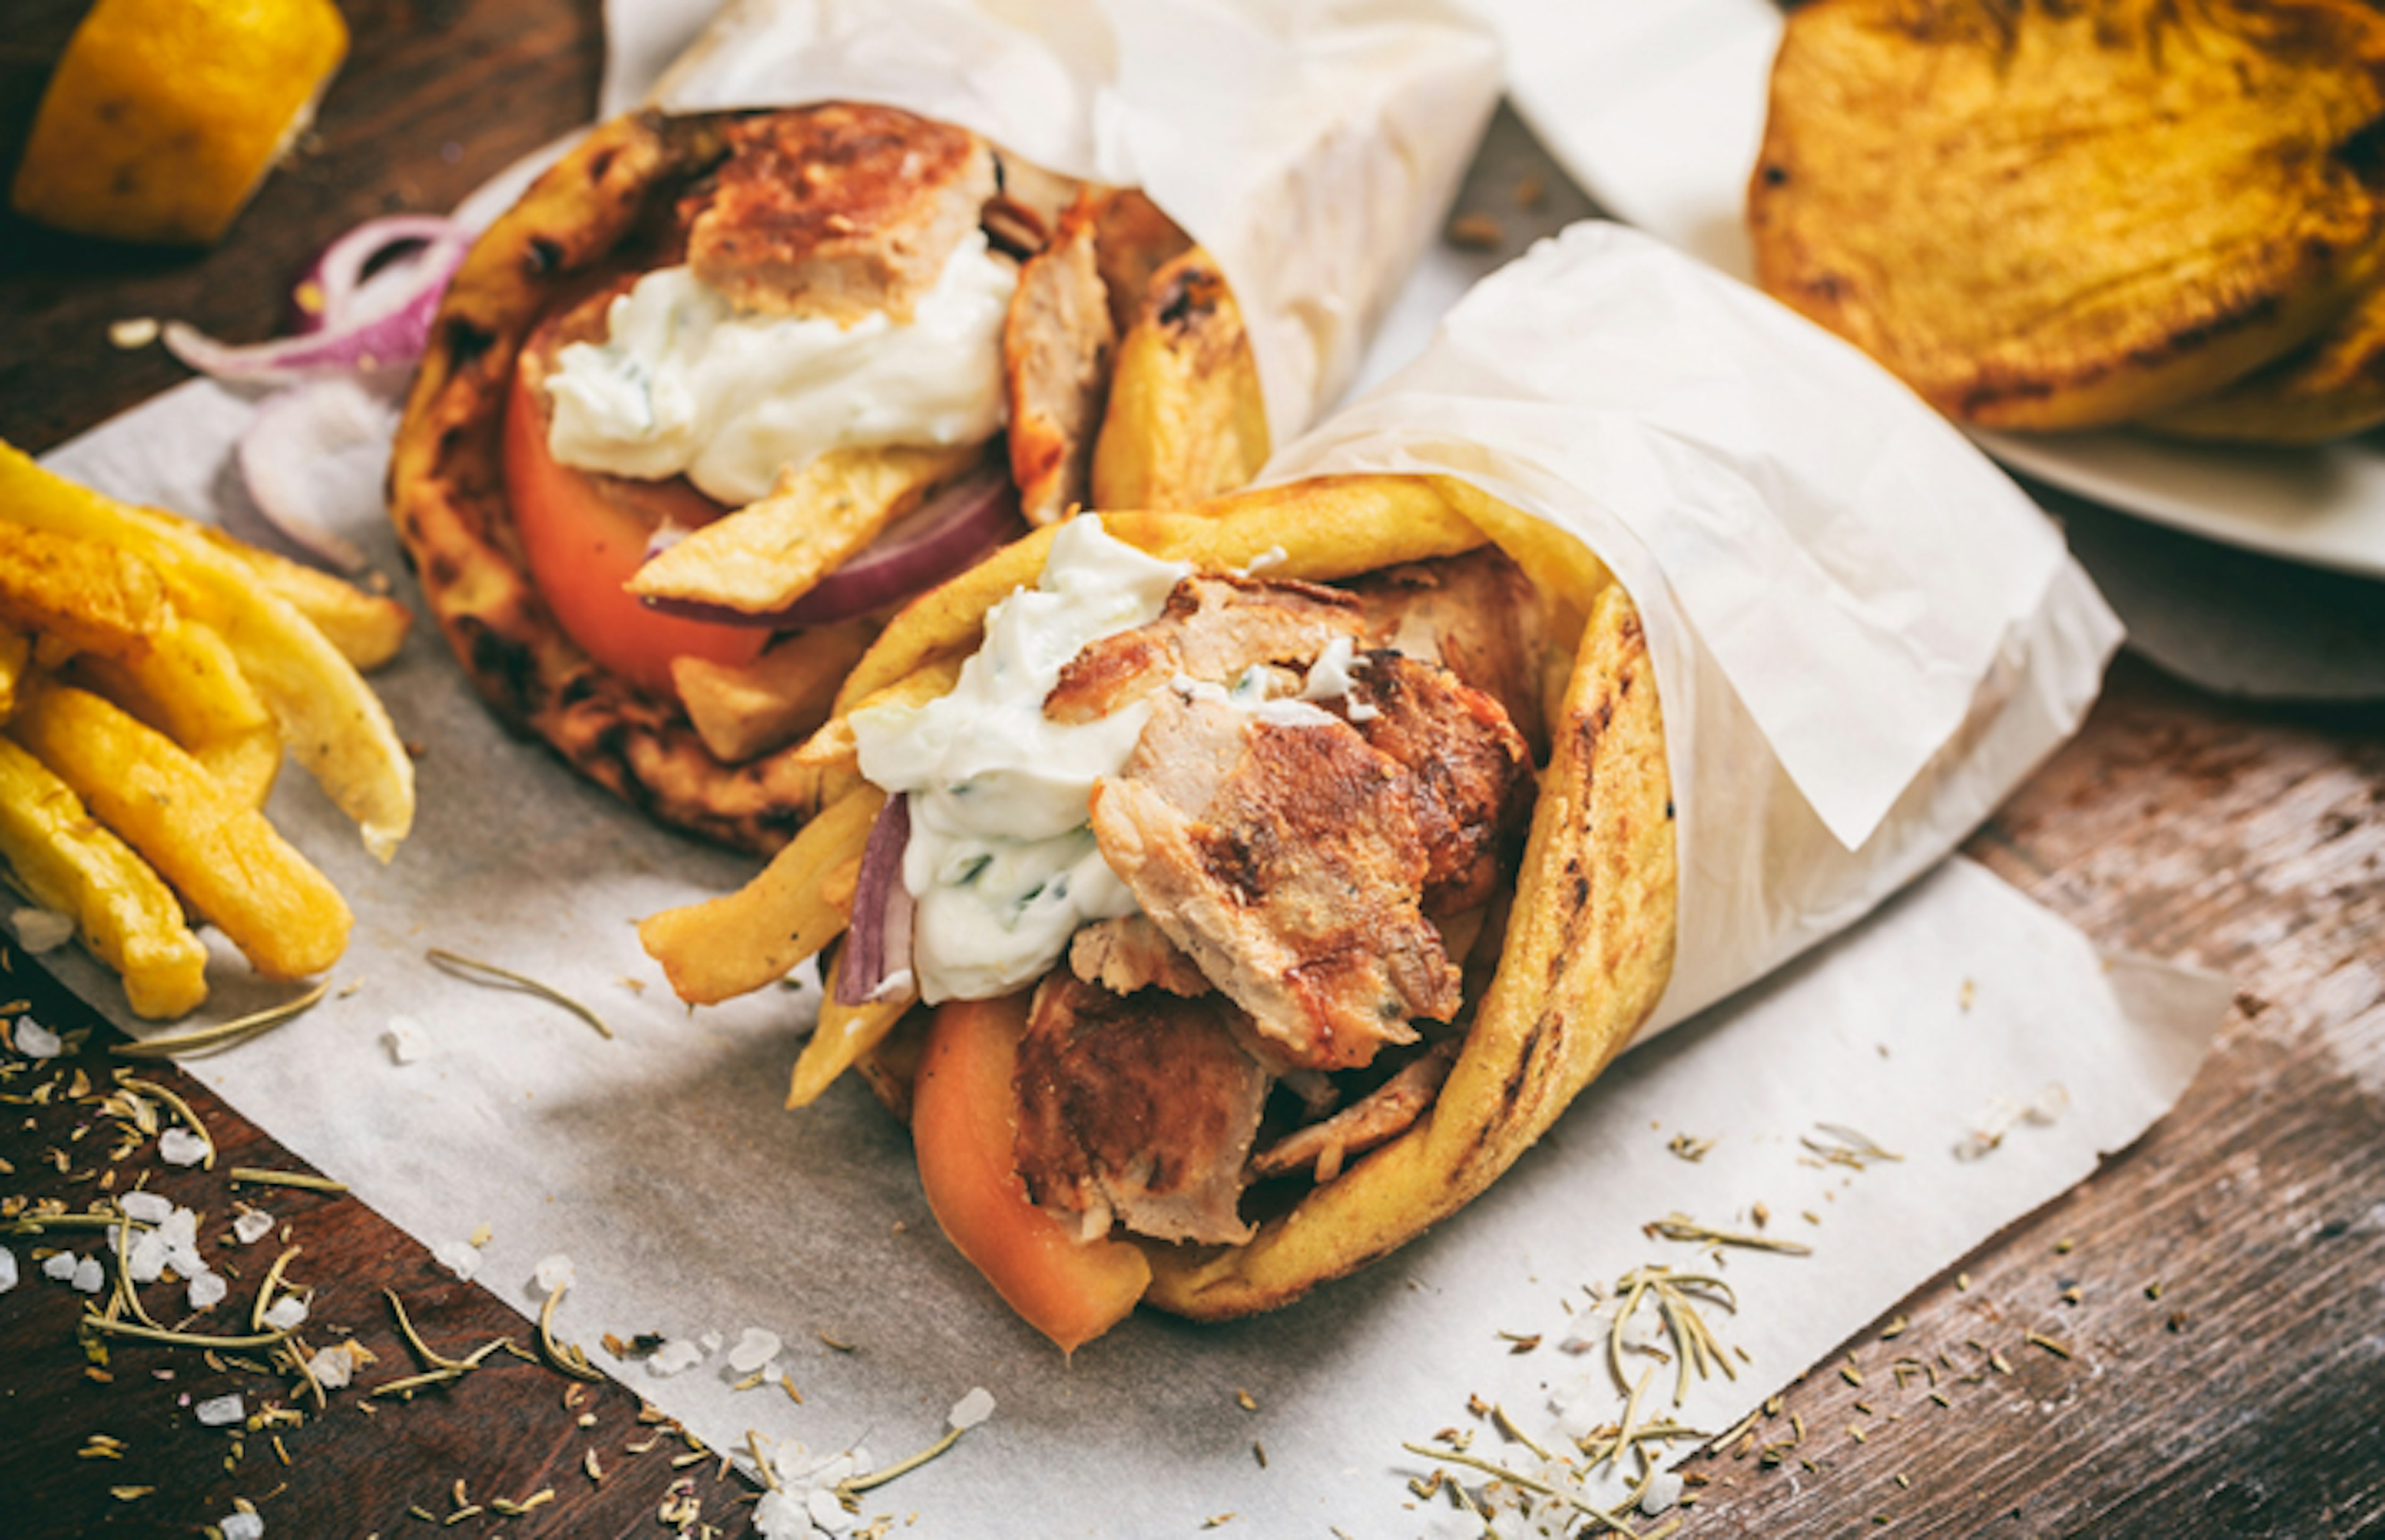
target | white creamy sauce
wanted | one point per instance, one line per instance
(1331, 678)
(685, 382)
(1002, 860)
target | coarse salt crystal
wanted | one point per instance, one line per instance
(286, 1314)
(251, 1226)
(89, 1277)
(405, 1040)
(179, 1229)
(36, 1041)
(674, 1357)
(781, 1516)
(709, 1342)
(240, 1526)
(146, 1261)
(755, 1347)
(826, 1511)
(147, 1207)
(41, 930)
(553, 1273)
(179, 1147)
(8, 1270)
(972, 1409)
(461, 1258)
(1663, 1491)
(222, 1411)
(332, 1368)
(207, 1290)
(59, 1265)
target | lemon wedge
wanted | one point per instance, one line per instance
(165, 115)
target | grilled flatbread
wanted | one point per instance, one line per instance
(2051, 215)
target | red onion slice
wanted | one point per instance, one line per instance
(878, 944)
(313, 458)
(337, 281)
(942, 535)
(388, 333)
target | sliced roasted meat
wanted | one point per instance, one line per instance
(1477, 615)
(1130, 953)
(1470, 772)
(1283, 855)
(1213, 628)
(837, 210)
(1381, 1115)
(1056, 356)
(1140, 1110)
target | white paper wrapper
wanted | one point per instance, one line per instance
(1863, 634)
(1312, 146)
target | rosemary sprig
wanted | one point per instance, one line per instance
(472, 970)
(1694, 1342)
(264, 1299)
(180, 1108)
(207, 1039)
(1847, 1147)
(1680, 1226)
(255, 1176)
(1612, 1520)
(850, 1489)
(564, 1357)
(34, 1225)
(93, 1320)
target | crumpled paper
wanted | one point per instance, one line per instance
(1864, 635)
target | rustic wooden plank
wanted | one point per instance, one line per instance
(2244, 1399)
(437, 96)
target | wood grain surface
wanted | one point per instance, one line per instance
(2248, 1398)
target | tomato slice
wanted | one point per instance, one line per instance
(584, 536)
(963, 1123)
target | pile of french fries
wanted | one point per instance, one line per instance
(152, 673)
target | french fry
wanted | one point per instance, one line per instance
(844, 1034)
(767, 555)
(1185, 420)
(367, 628)
(1318, 530)
(123, 911)
(88, 596)
(16, 660)
(332, 722)
(189, 686)
(735, 944)
(221, 855)
(743, 711)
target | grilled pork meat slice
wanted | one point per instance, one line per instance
(1379, 1117)
(1283, 855)
(1477, 615)
(1470, 772)
(1056, 341)
(837, 210)
(1141, 1110)
(1130, 953)
(1213, 628)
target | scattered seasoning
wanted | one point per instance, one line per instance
(2153, 1289)
(129, 1494)
(1258, 1452)
(2178, 1321)
(1478, 232)
(833, 1343)
(1519, 1344)
(2001, 1364)
(1531, 191)
(180, 1108)
(1961, 1280)
(1690, 1148)
(1843, 1146)
(1849, 1372)
(596, 1470)
(564, 1358)
(133, 332)
(1856, 1434)
(1894, 1329)
(1905, 1481)
(1681, 1227)
(1242, 1400)
(223, 1034)
(1612, 1520)
(474, 971)
(2037, 1339)
(2063, 1246)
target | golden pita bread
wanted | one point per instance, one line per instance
(2048, 214)
(2331, 386)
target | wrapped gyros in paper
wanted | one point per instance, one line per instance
(1278, 871)
(860, 286)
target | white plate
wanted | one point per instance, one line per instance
(1659, 112)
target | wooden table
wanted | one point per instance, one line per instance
(2220, 1285)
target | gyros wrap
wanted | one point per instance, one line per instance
(861, 286)
(1780, 683)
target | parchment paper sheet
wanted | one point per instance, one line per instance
(663, 1164)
